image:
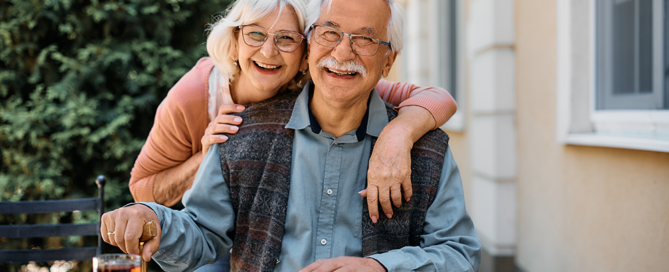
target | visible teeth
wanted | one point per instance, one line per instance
(341, 74)
(267, 66)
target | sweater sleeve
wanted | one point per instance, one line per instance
(434, 99)
(179, 125)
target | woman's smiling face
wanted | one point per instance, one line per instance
(265, 67)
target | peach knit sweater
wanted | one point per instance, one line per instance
(182, 118)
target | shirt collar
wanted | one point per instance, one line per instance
(372, 123)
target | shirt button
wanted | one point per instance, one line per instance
(324, 242)
(329, 191)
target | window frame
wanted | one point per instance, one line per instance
(457, 122)
(580, 123)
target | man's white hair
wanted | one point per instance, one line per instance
(222, 41)
(395, 24)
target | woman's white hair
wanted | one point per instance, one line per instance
(222, 40)
(395, 24)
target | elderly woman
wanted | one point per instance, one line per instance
(254, 56)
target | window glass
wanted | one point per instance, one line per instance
(451, 84)
(666, 53)
(626, 52)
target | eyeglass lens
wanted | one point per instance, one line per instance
(361, 45)
(285, 41)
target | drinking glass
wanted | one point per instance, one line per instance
(117, 263)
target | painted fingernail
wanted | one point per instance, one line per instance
(240, 107)
(408, 198)
(224, 137)
(374, 219)
(389, 215)
(234, 128)
(362, 191)
(238, 119)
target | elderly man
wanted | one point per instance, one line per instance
(283, 193)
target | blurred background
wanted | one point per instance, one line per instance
(562, 130)
(561, 135)
(80, 82)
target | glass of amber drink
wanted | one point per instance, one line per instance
(117, 263)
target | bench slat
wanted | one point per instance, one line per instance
(48, 206)
(47, 255)
(26, 231)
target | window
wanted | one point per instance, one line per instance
(613, 73)
(630, 69)
(433, 50)
(450, 56)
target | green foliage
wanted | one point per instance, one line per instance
(79, 84)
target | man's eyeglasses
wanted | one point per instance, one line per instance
(286, 41)
(360, 44)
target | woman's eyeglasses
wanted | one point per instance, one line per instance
(286, 41)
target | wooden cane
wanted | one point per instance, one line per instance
(150, 230)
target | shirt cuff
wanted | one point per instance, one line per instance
(394, 261)
(434, 106)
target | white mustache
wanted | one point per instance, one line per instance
(350, 65)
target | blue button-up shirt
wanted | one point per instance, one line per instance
(324, 212)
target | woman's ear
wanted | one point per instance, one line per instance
(305, 61)
(234, 54)
(304, 65)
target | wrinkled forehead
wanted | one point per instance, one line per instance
(367, 17)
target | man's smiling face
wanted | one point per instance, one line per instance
(344, 76)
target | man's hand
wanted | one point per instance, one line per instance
(345, 264)
(222, 124)
(123, 228)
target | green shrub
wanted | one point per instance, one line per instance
(79, 84)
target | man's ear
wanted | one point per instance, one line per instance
(390, 59)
